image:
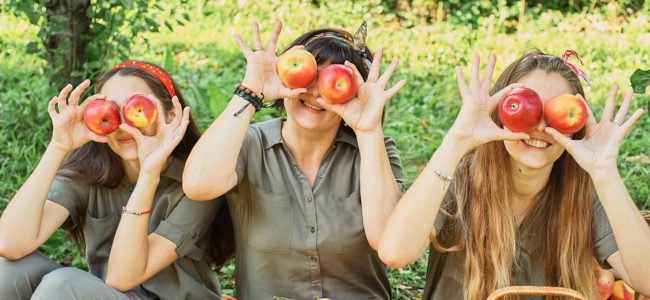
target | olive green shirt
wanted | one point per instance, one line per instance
(445, 272)
(175, 217)
(296, 241)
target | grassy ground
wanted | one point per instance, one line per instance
(206, 62)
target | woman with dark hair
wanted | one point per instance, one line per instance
(308, 194)
(120, 196)
(502, 208)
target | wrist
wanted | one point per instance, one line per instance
(149, 177)
(57, 150)
(458, 142)
(253, 85)
(604, 175)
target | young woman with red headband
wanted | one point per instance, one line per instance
(308, 194)
(502, 208)
(120, 197)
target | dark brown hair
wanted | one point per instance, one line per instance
(486, 228)
(96, 164)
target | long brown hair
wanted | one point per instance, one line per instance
(96, 164)
(485, 225)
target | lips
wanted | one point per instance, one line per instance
(537, 143)
(316, 108)
(126, 140)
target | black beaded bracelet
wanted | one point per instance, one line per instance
(250, 96)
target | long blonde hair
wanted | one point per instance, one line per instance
(560, 222)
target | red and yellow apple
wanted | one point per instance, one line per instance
(622, 291)
(297, 68)
(139, 111)
(604, 282)
(521, 109)
(336, 84)
(101, 116)
(566, 113)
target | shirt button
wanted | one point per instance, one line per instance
(309, 199)
(316, 286)
(314, 258)
(312, 229)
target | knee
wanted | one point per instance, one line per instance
(19, 277)
(59, 283)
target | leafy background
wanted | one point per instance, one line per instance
(193, 41)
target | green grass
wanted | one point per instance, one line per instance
(206, 62)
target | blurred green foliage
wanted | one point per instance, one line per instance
(428, 37)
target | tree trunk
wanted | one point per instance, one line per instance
(67, 27)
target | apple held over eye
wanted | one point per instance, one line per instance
(566, 113)
(101, 116)
(336, 84)
(139, 111)
(297, 68)
(521, 109)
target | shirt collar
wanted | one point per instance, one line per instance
(272, 134)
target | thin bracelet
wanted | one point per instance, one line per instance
(445, 178)
(137, 213)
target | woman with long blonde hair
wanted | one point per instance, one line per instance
(501, 208)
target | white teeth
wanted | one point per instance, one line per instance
(536, 143)
(312, 107)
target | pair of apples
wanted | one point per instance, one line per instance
(297, 68)
(611, 289)
(103, 117)
(521, 109)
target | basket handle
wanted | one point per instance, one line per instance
(535, 290)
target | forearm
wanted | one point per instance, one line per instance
(210, 168)
(20, 224)
(407, 231)
(379, 190)
(129, 254)
(630, 229)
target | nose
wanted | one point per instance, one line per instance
(541, 124)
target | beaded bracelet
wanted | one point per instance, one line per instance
(248, 95)
(137, 213)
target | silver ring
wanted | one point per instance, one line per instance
(617, 122)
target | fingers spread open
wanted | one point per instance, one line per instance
(373, 73)
(622, 111)
(273, 40)
(257, 40)
(485, 83)
(383, 80)
(63, 96)
(76, 93)
(392, 91)
(358, 79)
(608, 111)
(242, 45)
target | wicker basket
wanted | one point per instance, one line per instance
(646, 216)
(535, 290)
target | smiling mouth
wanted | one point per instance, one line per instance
(126, 140)
(311, 106)
(535, 143)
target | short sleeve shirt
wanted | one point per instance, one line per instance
(296, 241)
(445, 272)
(175, 217)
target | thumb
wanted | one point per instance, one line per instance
(336, 108)
(559, 138)
(137, 135)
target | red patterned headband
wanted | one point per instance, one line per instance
(166, 81)
(565, 59)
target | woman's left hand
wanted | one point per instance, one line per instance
(598, 151)
(364, 112)
(154, 151)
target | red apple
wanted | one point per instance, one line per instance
(101, 116)
(622, 291)
(139, 111)
(336, 84)
(297, 68)
(604, 282)
(566, 113)
(521, 109)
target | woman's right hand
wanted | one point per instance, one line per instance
(69, 132)
(474, 126)
(261, 74)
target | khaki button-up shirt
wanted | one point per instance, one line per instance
(296, 241)
(174, 217)
(445, 272)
